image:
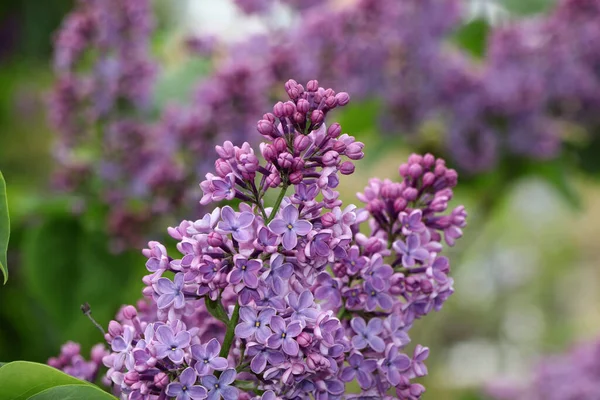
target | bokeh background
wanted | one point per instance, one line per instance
(526, 272)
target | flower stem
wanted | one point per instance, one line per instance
(278, 202)
(228, 341)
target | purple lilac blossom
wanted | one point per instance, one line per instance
(239, 318)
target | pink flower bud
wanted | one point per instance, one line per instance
(98, 352)
(428, 160)
(334, 130)
(115, 329)
(330, 102)
(339, 146)
(129, 312)
(301, 142)
(161, 380)
(280, 145)
(285, 160)
(347, 168)
(266, 128)
(317, 117)
(222, 167)
(215, 239)
(279, 110)
(303, 106)
(410, 194)
(131, 377)
(400, 204)
(330, 158)
(354, 151)
(428, 179)
(268, 152)
(343, 98)
(296, 177)
(328, 219)
(312, 86)
(289, 108)
(304, 339)
(415, 171)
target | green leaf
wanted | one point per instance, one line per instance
(74, 392)
(558, 174)
(528, 7)
(21, 379)
(473, 37)
(4, 228)
(215, 308)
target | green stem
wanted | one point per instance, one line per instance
(278, 202)
(228, 341)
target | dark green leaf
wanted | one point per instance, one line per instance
(21, 379)
(73, 392)
(215, 308)
(473, 37)
(4, 228)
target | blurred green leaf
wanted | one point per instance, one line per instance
(21, 379)
(521, 7)
(558, 174)
(68, 392)
(4, 228)
(472, 37)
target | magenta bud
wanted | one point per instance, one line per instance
(269, 153)
(115, 329)
(375, 206)
(297, 164)
(285, 160)
(400, 204)
(53, 362)
(98, 352)
(451, 177)
(303, 106)
(428, 160)
(280, 145)
(215, 239)
(147, 291)
(343, 98)
(354, 151)
(269, 117)
(339, 146)
(330, 158)
(304, 339)
(390, 190)
(373, 245)
(161, 379)
(131, 377)
(410, 194)
(266, 128)
(328, 219)
(317, 117)
(426, 286)
(334, 130)
(279, 110)
(347, 168)
(296, 177)
(312, 86)
(70, 349)
(403, 170)
(415, 159)
(330, 102)
(415, 171)
(301, 142)
(273, 180)
(428, 179)
(289, 108)
(129, 312)
(222, 167)
(299, 117)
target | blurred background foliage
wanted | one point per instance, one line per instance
(526, 272)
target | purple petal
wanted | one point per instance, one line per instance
(302, 227)
(277, 324)
(176, 356)
(214, 394)
(245, 219)
(358, 324)
(165, 286)
(385, 301)
(290, 346)
(413, 242)
(229, 393)
(188, 377)
(375, 326)
(228, 215)
(118, 344)
(248, 314)
(420, 254)
(198, 352)
(235, 276)
(227, 377)
(364, 379)
(182, 339)
(219, 363)
(165, 300)
(274, 341)
(306, 300)
(164, 334)
(242, 235)
(209, 381)
(402, 362)
(161, 350)
(359, 342)
(348, 374)
(196, 392)
(179, 301)
(290, 214)
(251, 280)
(258, 363)
(293, 329)
(174, 389)
(278, 226)
(245, 330)
(213, 347)
(262, 334)
(290, 240)
(266, 315)
(377, 344)
(178, 280)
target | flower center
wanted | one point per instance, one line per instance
(243, 267)
(290, 226)
(173, 348)
(373, 293)
(206, 361)
(283, 335)
(257, 324)
(216, 385)
(184, 388)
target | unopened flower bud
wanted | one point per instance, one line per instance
(285, 160)
(343, 98)
(161, 379)
(317, 117)
(296, 177)
(334, 130)
(303, 106)
(131, 377)
(279, 110)
(301, 142)
(328, 219)
(330, 158)
(280, 145)
(115, 329)
(347, 168)
(304, 339)
(415, 171)
(266, 128)
(215, 239)
(129, 312)
(410, 194)
(269, 152)
(312, 86)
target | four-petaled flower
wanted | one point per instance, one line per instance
(303, 306)
(394, 364)
(221, 387)
(377, 297)
(254, 324)
(361, 369)
(290, 227)
(283, 336)
(411, 251)
(186, 389)
(245, 270)
(171, 345)
(207, 357)
(367, 334)
(236, 224)
(171, 292)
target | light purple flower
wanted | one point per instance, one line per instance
(186, 389)
(396, 328)
(171, 345)
(277, 273)
(290, 227)
(303, 306)
(261, 355)
(367, 335)
(393, 364)
(328, 290)
(207, 357)
(221, 387)
(411, 223)
(411, 251)
(378, 273)
(245, 270)
(283, 336)
(418, 366)
(170, 292)
(377, 297)
(217, 189)
(254, 324)
(360, 369)
(235, 224)
(121, 345)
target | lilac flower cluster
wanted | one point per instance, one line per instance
(574, 375)
(283, 297)
(72, 362)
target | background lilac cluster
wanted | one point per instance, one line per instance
(291, 300)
